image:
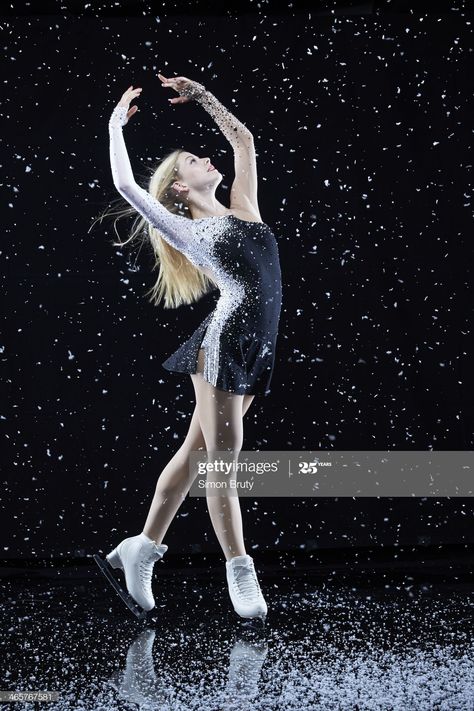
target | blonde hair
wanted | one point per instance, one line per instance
(179, 281)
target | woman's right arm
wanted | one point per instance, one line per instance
(176, 230)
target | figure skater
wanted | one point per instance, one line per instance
(200, 244)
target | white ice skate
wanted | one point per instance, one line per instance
(244, 588)
(138, 683)
(246, 661)
(135, 556)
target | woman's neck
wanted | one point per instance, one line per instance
(197, 213)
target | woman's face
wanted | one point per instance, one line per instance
(197, 173)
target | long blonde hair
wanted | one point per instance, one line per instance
(179, 281)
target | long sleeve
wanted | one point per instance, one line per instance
(176, 230)
(233, 129)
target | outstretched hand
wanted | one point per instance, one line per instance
(127, 97)
(187, 88)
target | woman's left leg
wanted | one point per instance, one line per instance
(220, 417)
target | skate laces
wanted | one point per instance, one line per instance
(246, 581)
(145, 567)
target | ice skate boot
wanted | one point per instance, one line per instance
(135, 556)
(246, 661)
(244, 588)
(138, 683)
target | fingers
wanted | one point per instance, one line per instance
(174, 83)
(133, 92)
(179, 100)
(129, 95)
(171, 79)
(164, 80)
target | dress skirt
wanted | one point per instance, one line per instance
(239, 336)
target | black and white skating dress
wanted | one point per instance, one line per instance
(239, 336)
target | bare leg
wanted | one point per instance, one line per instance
(220, 416)
(173, 485)
(174, 482)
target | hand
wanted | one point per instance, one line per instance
(127, 97)
(187, 88)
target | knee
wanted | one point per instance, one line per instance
(223, 437)
(173, 480)
(224, 443)
(227, 464)
(169, 490)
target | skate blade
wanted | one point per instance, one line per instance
(253, 623)
(106, 570)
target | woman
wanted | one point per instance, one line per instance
(199, 243)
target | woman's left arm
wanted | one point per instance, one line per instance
(243, 193)
(234, 130)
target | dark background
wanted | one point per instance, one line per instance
(362, 117)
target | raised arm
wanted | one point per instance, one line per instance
(234, 130)
(244, 189)
(176, 230)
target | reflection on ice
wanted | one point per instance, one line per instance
(399, 648)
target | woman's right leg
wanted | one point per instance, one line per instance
(173, 484)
